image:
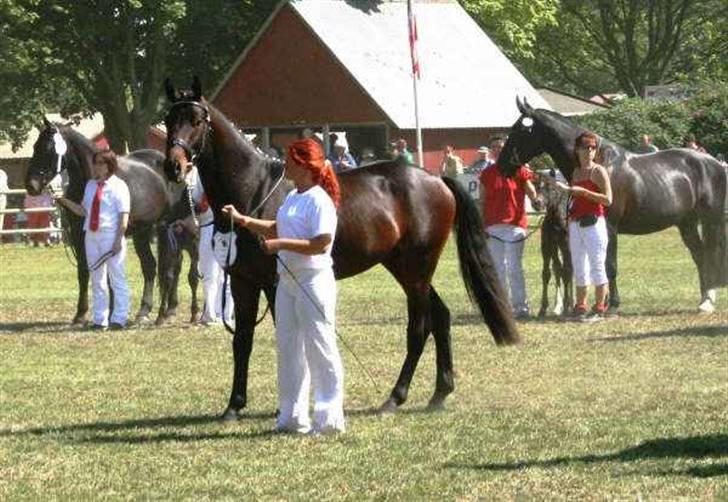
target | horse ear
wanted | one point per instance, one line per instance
(196, 88)
(47, 123)
(519, 104)
(528, 109)
(169, 89)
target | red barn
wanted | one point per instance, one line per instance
(332, 65)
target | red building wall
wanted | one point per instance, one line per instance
(289, 78)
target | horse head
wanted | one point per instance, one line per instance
(48, 160)
(524, 140)
(188, 123)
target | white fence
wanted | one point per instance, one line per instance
(22, 211)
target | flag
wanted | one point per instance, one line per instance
(412, 23)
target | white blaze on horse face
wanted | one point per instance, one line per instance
(527, 122)
(59, 144)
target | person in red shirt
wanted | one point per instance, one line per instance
(504, 213)
(591, 194)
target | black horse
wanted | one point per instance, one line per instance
(651, 192)
(390, 213)
(151, 200)
(555, 254)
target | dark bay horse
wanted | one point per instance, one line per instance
(391, 214)
(151, 199)
(651, 192)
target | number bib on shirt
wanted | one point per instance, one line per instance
(224, 248)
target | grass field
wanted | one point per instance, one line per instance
(634, 408)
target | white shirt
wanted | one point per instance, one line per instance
(198, 192)
(115, 200)
(305, 215)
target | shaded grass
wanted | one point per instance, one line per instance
(630, 408)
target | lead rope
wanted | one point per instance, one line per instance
(323, 314)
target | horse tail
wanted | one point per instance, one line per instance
(480, 277)
(723, 237)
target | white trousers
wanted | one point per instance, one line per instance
(97, 244)
(508, 260)
(212, 280)
(307, 353)
(588, 247)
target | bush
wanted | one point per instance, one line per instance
(703, 116)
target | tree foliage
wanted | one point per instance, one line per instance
(112, 56)
(514, 24)
(703, 116)
(606, 45)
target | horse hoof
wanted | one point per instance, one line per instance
(389, 406)
(160, 320)
(230, 415)
(436, 404)
(707, 307)
(612, 311)
(170, 313)
(142, 319)
(79, 321)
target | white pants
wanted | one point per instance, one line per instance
(508, 260)
(98, 243)
(307, 353)
(212, 280)
(588, 247)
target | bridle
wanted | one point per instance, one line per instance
(189, 150)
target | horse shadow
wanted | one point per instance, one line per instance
(694, 447)
(43, 326)
(702, 331)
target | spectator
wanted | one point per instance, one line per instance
(302, 235)
(105, 206)
(591, 192)
(39, 219)
(503, 202)
(482, 162)
(340, 158)
(451, 165)
(367, 156)
(496, 145)
(646, 145)
(401, 151)
(693, 144)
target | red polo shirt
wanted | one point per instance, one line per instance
(503, 198)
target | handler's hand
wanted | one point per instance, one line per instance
(562, 186)
(271, 246)
(229, 209)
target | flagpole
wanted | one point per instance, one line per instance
(415, 77)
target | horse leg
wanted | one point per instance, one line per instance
(418, 300)
(193, 278)
(691, 239)
(558, 270)
(567, 274)
(246, 297)
(142, 244)
(82, 276)
(174, 286)
(440, 326)
(611, 268)
(164, 272)
(546, 252)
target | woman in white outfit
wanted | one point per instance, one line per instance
(105, 206)
(210, 270)
(302, 234)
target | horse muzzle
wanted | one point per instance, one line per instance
(33, 185)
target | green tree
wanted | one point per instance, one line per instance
(628, 44)
(112, 56)
(514, 24)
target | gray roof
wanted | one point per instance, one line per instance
(466, 81)
(568, 104)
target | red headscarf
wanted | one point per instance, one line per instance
(309, 154)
